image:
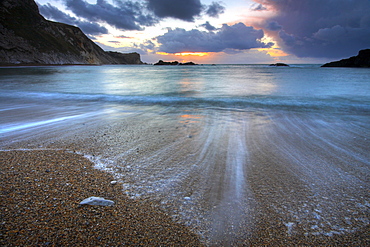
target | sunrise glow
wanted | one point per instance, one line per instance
(274, 52)
(199, 54)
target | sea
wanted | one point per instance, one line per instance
(224, 149)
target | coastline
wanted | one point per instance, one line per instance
(235, 177)
(57, 65)
(41, 191)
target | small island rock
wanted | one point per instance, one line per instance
(188, 63)
(279, 64)
(161, 62)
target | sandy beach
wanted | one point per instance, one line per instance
(40, 195)
(210, 155)
(172, 188)
(41, 191)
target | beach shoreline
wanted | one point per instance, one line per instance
(41, 191)
(291, 171)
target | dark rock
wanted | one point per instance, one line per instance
(188, 63)
(126, 58)
(279, 64)
(26, 37)
(362, 60)
(160, 62)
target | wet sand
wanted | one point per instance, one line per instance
(233, 178)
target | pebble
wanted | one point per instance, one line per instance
(97, 201)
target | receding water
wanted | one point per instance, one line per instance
(230, 150)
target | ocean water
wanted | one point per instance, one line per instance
(221, 148)
(300, 87)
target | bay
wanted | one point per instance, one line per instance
(229, 150)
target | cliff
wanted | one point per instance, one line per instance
(26, 37)
(125, 58)
(362, 60)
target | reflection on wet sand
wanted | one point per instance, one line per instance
(233, 176)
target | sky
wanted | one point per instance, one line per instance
(229, 32)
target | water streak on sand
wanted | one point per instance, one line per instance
(16, 127)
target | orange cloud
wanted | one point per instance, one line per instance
(274, 52)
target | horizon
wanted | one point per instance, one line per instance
(216, 32)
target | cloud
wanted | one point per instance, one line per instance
(124, 15)
(147, 46)
(208, 26)
(215, 9)
(236, 37)
(179, 9)
(184, 10)
(273, 26)
(258, 7)
(51, 12)
(127, 49)
(123, 37)
(316, 28)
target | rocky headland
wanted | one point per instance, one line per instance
(362, 60)
(27, 38)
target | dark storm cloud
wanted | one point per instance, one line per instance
(317, 28)
(180, 9)
(273, 26)
(184, 10)
(124, 15)
(215, 9)
(51, 12)
(236, 37)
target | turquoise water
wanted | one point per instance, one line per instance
(301, 87)
(215, 146)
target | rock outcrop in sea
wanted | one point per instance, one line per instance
(160, 62)
(279, 65)
(362, 60)
(26, 37)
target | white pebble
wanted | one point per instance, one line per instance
(97, 201)
(113, 182)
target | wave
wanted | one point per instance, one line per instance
(333, 104)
